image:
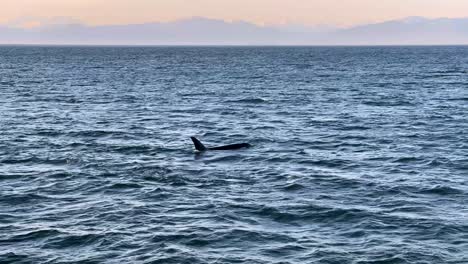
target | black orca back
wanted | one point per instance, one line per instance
(200, 147)
(232, 147)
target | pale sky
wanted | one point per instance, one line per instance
(307, 12)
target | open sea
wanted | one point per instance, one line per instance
(359, 155)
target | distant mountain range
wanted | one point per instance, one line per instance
(203, 31)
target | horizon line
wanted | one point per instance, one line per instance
(229, 45)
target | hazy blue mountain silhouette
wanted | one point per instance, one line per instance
(202, 31)
(412, 30)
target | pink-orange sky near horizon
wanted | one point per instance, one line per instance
(263, 12)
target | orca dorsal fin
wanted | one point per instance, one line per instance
(198, 145)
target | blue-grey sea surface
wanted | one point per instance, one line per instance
(360, 155)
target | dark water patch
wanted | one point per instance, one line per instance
(248, 101)
(94, 133)
(7, 83)
(408, 160)
(285, 250)
(404, 208)
(12, 176)
(449, 71)
(174, 180)
(386, 260)
(293, 187)
(132, 149)
(74, 241)
(7, 219)
(312, 213)
(186, 259)
(354, 127)
(388, 103)
(442, 190)
(34, 160)
(123, 186)
(332, 163)
(240, 235)
(49, 133)
(463, 99)
(8, 160)
(29, 236)
(461, 165)
(10, 257)
(173, 238)
(22, 199)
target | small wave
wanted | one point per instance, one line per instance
(7, 218)
(240, 235)
(35, 160)
(441, 190)
(384, 103)
(33, 235)
(249, 101)
(403, 207)
(406, 160)
(66, 241)
(293, 187)
(93, 133)
(388, 259)
(285, 250)
(28, 82)
(458, 99)
(230, 158)
(16, 199)
(332, 163)
(131, 149)
(11, 176)
(49, 133)
(125, 185)
(355, 234)
(448, 72)
(174, 180)
(312, 212)
(73, 101)
(8, 83)
(16, 160)
(82, 84)
(11, 257)
(171, 238)
(438, 162)
(355, 127)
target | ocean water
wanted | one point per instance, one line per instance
(360, 155)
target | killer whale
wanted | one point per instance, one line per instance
(200, 147)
